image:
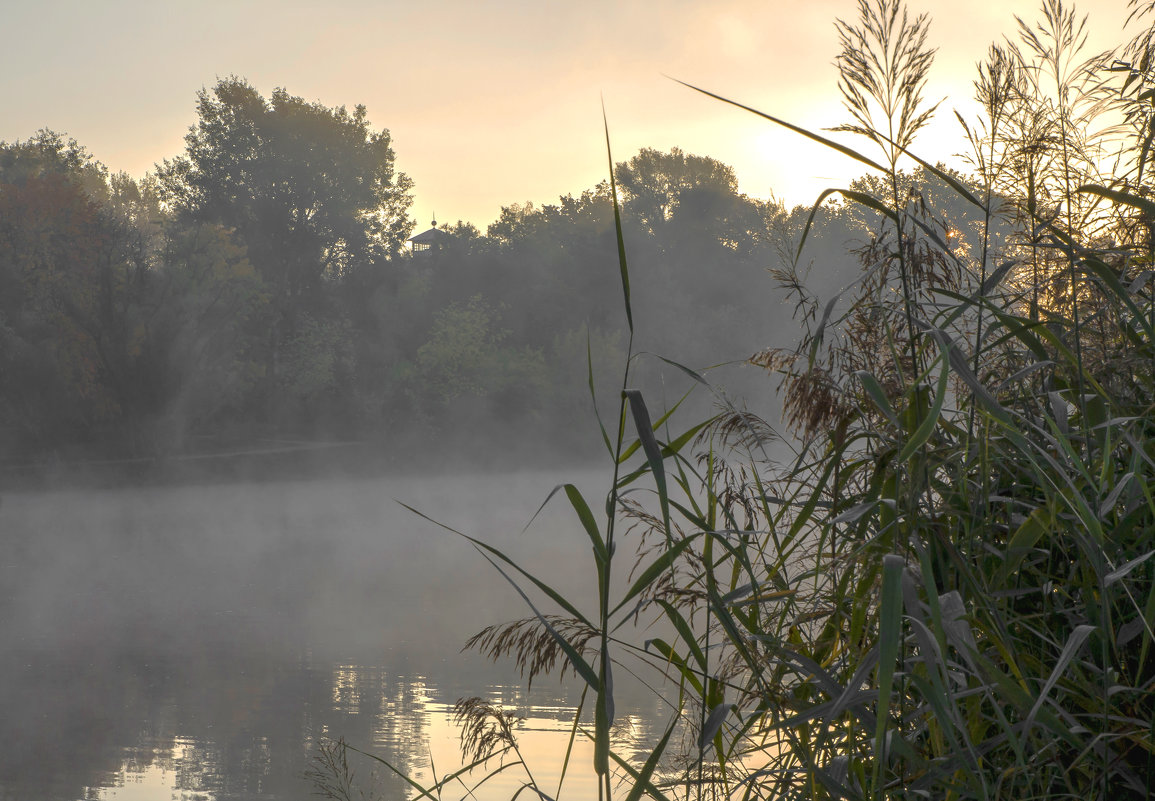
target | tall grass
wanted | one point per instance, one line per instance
(948, 590)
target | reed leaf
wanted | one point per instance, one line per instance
(623, 268)
(652, 450)
(1070, 649)
(657, 567)
(890, 626)
(642, 778)
(930, 419)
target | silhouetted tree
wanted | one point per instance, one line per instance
(73, 283)
(311, 191)
(119, 327)
(657, 185)
(205, 339)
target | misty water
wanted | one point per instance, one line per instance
(198, 642)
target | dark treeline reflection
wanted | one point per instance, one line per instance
(258, 288)
(218, 633)
(221, 721)
(225, 721)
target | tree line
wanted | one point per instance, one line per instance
(947, 589)
(259, 285)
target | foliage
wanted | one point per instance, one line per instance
(679, 190)
(314, 195)
(313, 191)
(74, 282)
(206, 339)
(257, 285)
(468, 368)
(121, 325)
(211, 311)
(947, 590)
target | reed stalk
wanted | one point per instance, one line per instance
(948, 590)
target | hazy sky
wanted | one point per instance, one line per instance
(489, 103)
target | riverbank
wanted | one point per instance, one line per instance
(287, 458)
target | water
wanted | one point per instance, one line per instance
(199, 642)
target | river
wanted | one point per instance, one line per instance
(199, 642)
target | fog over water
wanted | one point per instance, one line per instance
(200, 640)
(198, 627)
(198, 635)
(238, 391)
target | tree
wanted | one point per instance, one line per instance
(119, 327)
(66, 274)
(467, 358)
(209, 310)
(311, 191)
(48, 153)
(659, 185)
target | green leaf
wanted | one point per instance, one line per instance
(622, 266)
(588, 522)
(876, 393)
(889, 634)
(713, 724)
(577, 660)
(962, 370)
(1113, 496)
(593, 394)
(675, 659)
(1074, 642)
(484, 548)
(642, 782)
(864, 199)
(656, 568)
(855, 512)
(1026, 536)
(685, 632)
(1144, 205)
(843, 149)
(674, 445)
(653, 451)
(1122, 571)
(603, 720)
(693, 374)
(927, 426)
(1108, 276)
(861, 198)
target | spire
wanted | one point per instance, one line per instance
(430, 239)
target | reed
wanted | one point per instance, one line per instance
(947, 590)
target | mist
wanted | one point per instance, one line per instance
(222, 392)
(186, 325)
(125, 607)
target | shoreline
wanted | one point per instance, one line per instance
(276, 459)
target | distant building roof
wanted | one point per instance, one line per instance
(427, 240)
(434, 236)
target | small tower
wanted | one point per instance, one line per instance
(428, 241)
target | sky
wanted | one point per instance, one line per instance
(490, 102)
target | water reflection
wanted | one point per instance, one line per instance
(198, 643)
(211, 731)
